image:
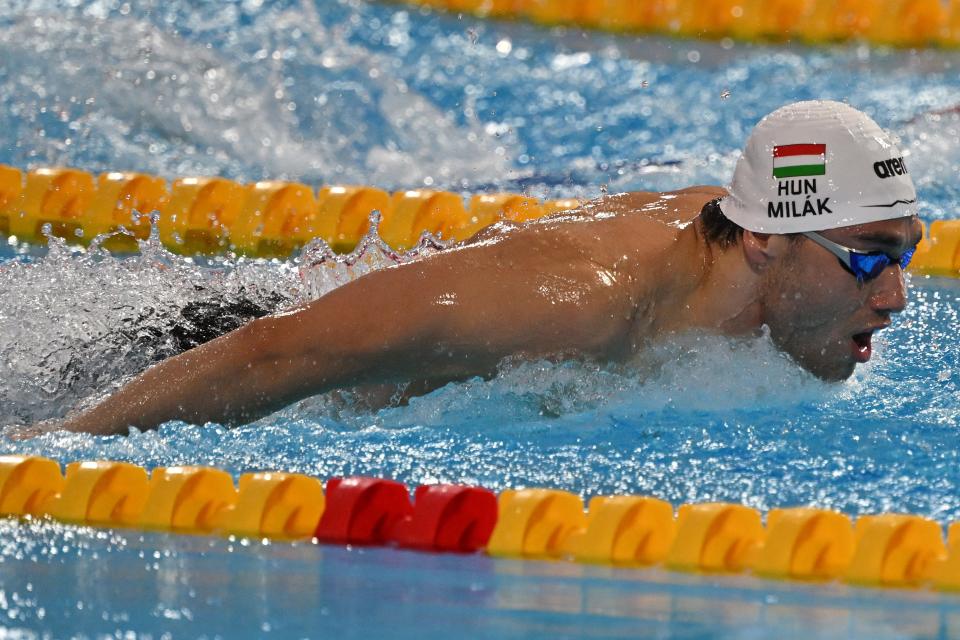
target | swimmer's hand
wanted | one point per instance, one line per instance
(29, 431)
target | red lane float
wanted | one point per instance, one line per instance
(363, 511)
(448, 518)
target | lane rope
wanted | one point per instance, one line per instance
(805, 544)
(899, 23)
(272, 219)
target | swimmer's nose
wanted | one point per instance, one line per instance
(890, 291)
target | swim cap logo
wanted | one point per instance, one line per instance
(799, 160)
(890, 168)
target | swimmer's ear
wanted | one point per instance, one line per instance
(760, 250)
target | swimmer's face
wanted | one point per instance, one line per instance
(819, 313)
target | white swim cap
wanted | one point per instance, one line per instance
(818, 165)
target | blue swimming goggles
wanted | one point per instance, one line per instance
(864, 265)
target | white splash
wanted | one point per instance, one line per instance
(150, 100)
(77, 323)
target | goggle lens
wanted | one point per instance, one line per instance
(906, 258)
(867, 266)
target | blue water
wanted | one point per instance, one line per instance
(355, 92)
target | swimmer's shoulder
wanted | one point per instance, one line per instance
(640, 226)
(668, 206)
(646, 218)
(682, 203)
(651, 233)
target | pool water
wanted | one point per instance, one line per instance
(397, 97)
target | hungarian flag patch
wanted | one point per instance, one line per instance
(799, 160)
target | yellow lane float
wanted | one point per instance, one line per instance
(28, 485)
(103, 494)
(806, 544)
(199, 215)
(624, 530)
(11, 186)
(124, 200)
(412, 213)
(53, 201)
(344, 215)
(277, 218)
(717, 537)
(187, 499)
(534, 523)
(900, 23)
(283, 506)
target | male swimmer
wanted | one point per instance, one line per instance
(811, 241)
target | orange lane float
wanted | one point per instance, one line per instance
(901, 23)
(910, 23)
(939, 252)
(486, 210)
(614, 15)
(551, 207)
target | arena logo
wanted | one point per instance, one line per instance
(890, 168)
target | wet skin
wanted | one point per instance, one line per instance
(820, 314)
(601, 282)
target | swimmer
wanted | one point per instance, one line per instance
(810, 241)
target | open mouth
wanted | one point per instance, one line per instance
(862, 346)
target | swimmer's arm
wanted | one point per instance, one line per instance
(446, 317)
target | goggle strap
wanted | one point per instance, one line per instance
(841, 253)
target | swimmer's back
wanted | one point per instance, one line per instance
(611, 263)
(628, 232)
(617, 220)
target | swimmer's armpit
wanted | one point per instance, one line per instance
(204, 320)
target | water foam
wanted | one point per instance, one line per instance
(691, 374)
(76, 323)
(145, 98)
